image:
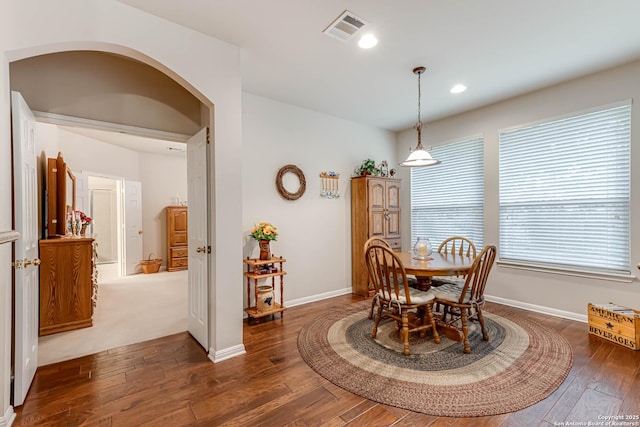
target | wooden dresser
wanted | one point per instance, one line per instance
(177, 238)
(66, 284)
(375, 212)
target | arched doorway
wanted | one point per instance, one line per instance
(198, 282)
(205, 66)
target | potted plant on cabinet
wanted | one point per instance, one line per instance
(367, 167)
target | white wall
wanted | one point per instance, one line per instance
(84, 154)
(314, 232)
(164, 177)
(209, 69)
(559, 292)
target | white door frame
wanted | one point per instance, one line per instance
(120, 223)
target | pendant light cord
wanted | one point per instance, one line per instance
(419, 123)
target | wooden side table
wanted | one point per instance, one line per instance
(264, 269)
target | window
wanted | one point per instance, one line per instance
(448, 199)
(564, 192)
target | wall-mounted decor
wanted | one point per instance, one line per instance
(302, 182)
(330, 182)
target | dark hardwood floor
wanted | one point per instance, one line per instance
(171, 382)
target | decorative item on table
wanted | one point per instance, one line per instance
(367, 167)
(422, 249)
(72, 226)
(330, 181)
(264, 233)
(83, 220)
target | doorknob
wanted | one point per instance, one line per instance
(201, 249)
(27, 262)
(140, 232)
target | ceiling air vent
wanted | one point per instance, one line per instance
(345, 26)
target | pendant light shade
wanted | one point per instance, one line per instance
(419, 157)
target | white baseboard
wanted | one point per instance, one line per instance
(7, 419)
(318, 297)
(227, 353)
(539, 309)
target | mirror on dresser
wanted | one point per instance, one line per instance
(61, 195)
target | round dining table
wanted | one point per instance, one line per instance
(437, 264)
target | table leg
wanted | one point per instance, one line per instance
(424, 283)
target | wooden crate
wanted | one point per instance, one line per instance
(615, 323)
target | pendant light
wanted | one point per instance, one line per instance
(419, 157)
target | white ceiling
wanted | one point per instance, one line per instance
(498, 48)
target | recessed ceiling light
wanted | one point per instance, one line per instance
(458, 89)
(367, 41)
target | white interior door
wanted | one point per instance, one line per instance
(199, 249)
(133, 226)
(26, 248)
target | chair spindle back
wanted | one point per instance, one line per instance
(387, 272)
(477, 278)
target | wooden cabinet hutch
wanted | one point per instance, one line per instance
(375, 212)
(177, 238)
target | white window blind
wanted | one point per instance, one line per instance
(564, 191)
(448, 199)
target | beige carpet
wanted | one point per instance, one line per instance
(130, 309)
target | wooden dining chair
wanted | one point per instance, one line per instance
(464, 304)
(380, 241)
(411, 308)
(454, 246)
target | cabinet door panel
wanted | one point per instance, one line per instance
(376, 194)
(393, 195)
(376, 224)
(393, 225)
(179, 219)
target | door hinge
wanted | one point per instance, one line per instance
(208, 136)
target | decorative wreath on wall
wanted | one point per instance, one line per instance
(301, 179)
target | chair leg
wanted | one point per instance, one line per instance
(375, 325)
(373, 304)
(430, 318)
(404, 333)
(465, 331)
(485, 335)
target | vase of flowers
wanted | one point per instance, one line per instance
(264, 233)
(83, 220)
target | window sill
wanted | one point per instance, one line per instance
(614, 277)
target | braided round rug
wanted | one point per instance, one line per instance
(521, 364)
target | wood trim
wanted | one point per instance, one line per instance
(63, 120)
(9, 236)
